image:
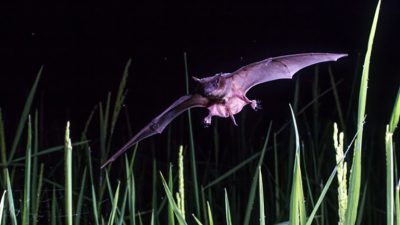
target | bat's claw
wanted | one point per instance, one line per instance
(256, 105)
(207, 121)
(233, 120)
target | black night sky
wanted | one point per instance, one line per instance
(85, 45)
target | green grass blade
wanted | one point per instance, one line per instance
(362, 204)
(297, 214)
(397, 204)
(104, 117)
(276, 176)
(68, 178)
(210, 217)
(24, 116)
(152, 218)
(261, 197)
(119, 100)
(204, 205)
(130, 191)
(233, 170)
(196, 220)
(337, 100)
(121, 209)
(228, 217)
(321, 197)
(95, 207)
(2, 206)
(78, 211)
(54, 207)
(192, 150)
(394, 119)
(10, 199)
(390, 195)
(171, 218)
(132, 201)
(389, 177)
(35, 165)
(27, 185)
(154, 188)
(253, 186)
(172, 202)
(355, 174)
(3, 147)
(111, 219)
(49, 150)
(38, 195)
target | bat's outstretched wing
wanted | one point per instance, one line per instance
(157, 125)
(282, 67)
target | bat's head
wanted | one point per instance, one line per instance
(214, 86)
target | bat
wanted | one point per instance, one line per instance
(224, 94)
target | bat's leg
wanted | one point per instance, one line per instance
(255, 104)
(258, 105)
(207, 120)
(233, 119)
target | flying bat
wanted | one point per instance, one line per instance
(224, 94)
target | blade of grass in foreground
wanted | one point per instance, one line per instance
(2, 206)
(49, 150)
(171, 218)
(261, 197)
(232, 171)
(53, 216)
(172, 202)
(210, 217)
(130, 178)
(253, 187)
(80, 198)
(68, 177)
(228, 216)
(192, 150)
(24, 116)
(340, 168)
(95, 207)
(34, 170)
(27, 185)
(390, 161)
(114, 205)
(3, 147)
(297, 214)
(398, 204)
(355, 174)
(38, 195)
(10, 199)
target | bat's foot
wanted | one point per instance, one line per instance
(233, 120)
(207, 121)
(255, 104)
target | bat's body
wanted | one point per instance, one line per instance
(224, 94)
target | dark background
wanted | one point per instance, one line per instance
(85, 45)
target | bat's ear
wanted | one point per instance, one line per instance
(196, 79)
